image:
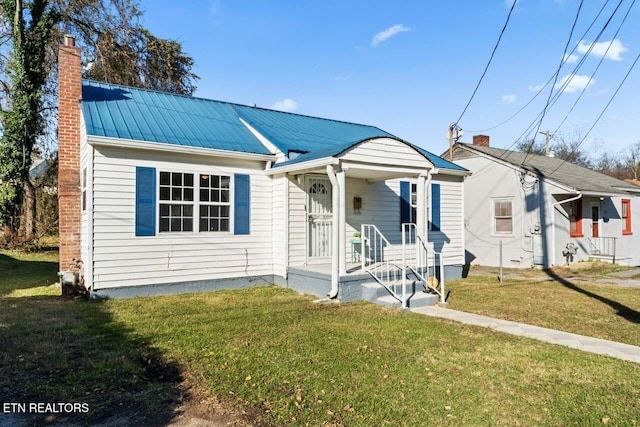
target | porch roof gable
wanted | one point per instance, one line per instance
(337, 151)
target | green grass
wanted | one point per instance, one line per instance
(287, 361)
(55, 349)
(604, 311)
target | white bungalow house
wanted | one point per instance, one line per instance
(538, 207)
(168, 193)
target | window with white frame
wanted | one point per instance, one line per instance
(414, 203)
(215, 202)
(414, 206)
(503, 216)
(176, 201)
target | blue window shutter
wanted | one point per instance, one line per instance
(145, 201)
(405, 202)
(435, 207)
(241, 209)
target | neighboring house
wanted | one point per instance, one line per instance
(537, 205)
(162, 193)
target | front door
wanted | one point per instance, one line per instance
(595, 220)
(319, 218)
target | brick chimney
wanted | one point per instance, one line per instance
(69, 198)
(482, 140)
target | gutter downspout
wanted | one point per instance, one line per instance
(335, 247)
(553, 226)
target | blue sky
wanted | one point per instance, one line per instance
(409, 67)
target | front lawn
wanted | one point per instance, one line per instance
(604, 311)
(273, 357)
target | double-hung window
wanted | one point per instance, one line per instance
(503, 216)
(176, 201)
(414, 203)
(215, 202)
(626, 217)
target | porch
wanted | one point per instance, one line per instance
(603, 248)
(381, 183)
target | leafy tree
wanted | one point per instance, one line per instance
(118, 50)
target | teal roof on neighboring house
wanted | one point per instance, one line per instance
(144, 115)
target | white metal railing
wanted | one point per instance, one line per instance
(392, 269)
(381, 262)
(603, 246)
(423, 262)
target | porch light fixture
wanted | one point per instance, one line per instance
(601, 198)
(357, 205)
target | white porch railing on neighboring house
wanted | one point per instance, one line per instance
(603, 246)
(391, 267)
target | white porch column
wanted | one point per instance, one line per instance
(342, 221)
(335, 238)
(421, 211)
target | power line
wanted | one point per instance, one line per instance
(550, 78)
(557, 73)
(597, 67)
(601, 113)
(564, 85)
(486, 68)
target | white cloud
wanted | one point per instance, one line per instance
(574, 83)
(341, 78)
(509, 99)
(570, 59)
(388, 33)
(286, 104)
(536, 88)
(616, 49)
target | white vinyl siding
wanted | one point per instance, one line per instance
(120, 257)
(297, 222)
(280, 224)
(86, 160)
(386, 151)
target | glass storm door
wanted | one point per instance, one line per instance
(595, 220)
(319, 218)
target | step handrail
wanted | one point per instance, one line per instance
(383, 269)
(422, 251)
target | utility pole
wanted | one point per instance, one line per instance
(548, 136)
(455, 132)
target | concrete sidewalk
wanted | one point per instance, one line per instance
(580, 342)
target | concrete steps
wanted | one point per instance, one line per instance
(420, 299)
(376, 293)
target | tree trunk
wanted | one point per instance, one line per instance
(29, 210)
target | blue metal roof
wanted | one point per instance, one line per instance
(305, 134)
(438, 161)
(145, 115)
